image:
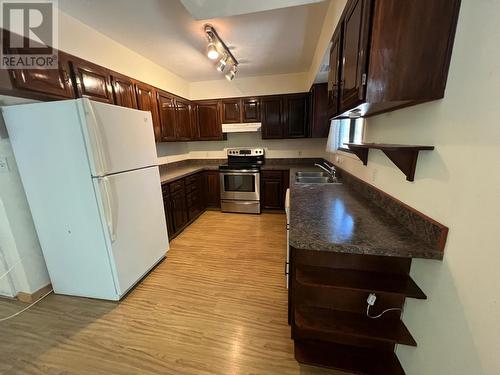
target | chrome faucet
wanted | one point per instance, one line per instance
(330, 169)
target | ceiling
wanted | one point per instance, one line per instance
(205, 9)
(275, 41)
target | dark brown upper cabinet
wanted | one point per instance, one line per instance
(319, 123)
(392, 56)
(231, 111)
(183, 128)
(272, 117)
(166, 108)
(296, 115)
(92, 81)
(193, 112)
(334, 72)
(356, 26)
(123, 91)
(240, 110)
(250, 110)
(178, 118)
(209, 120)
(146, 101)
(55, 83)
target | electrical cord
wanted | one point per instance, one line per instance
(26, 308)
(379, 315)
(9, 270)
(371, 301)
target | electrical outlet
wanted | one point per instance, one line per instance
(4, 166)
(374, 175)
(300, 153)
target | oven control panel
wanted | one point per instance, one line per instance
(245, 152)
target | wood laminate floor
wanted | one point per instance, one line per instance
(216, 305)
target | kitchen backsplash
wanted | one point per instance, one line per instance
(279, 148)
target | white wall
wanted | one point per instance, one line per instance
(277, 148)
(81, 40)
(248, 86)
(19, 246)
(458, 184)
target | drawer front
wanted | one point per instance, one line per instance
(190, 188)
(278, 175)
(176, 186)
(191, 179)
(193, 199)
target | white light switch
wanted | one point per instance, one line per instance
(4, 166)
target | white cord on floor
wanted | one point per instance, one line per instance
(26, 308)
(379, 315)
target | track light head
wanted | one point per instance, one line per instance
(212, 52)
(231, 74)
(221, 65)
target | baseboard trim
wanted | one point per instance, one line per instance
(8, 298)
(30, 298)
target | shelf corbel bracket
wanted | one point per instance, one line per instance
(361, 153)
(405, 160)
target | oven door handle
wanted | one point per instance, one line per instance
(240, 172)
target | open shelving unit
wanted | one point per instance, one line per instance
(327, 308)
(403, 156)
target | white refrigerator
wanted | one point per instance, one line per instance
(92, 182)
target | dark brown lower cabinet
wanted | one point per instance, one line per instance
(273, 187)
(179, 209)
(167, 206)
(212, 189)
(193, 196)
(183, 200)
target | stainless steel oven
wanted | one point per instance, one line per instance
(240, 181)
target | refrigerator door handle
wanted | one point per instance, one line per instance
(97, 141)
(108, 208)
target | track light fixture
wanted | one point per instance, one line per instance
(216, 47)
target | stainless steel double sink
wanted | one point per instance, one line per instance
(315, 178)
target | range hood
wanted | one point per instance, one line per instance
(248, 127)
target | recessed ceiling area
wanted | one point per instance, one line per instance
(277, 41)
(206, 9)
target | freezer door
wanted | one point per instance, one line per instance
(118, 139)
(134, 222)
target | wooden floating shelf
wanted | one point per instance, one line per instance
(347, 358)
(337, 324)
(375, 282)
(403, 156)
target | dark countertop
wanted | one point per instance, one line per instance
(335, 218)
